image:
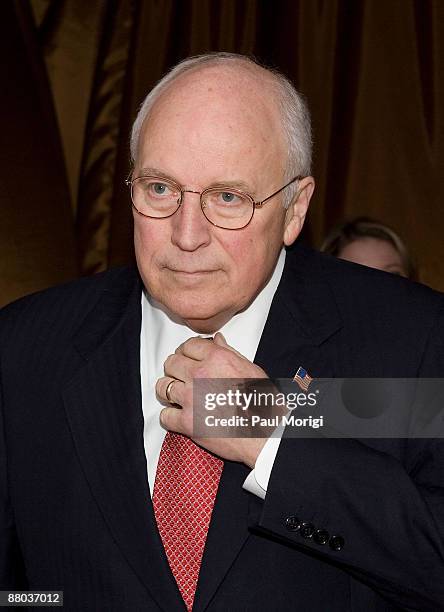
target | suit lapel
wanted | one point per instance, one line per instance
(303, 316)
(104, 410)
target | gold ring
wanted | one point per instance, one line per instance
(168, 389)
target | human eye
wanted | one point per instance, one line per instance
(228, 198)
(159, 189)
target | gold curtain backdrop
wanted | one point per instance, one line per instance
(75, 72)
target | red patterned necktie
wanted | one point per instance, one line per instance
(185, 488)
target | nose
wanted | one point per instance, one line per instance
(190, 229)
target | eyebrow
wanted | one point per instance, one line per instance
(155, 172)
(236, 184)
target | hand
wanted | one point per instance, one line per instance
(202, 358)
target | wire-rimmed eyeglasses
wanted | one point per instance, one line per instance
(159, 197)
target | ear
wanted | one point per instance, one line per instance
(295, 215)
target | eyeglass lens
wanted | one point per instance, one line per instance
(223, 207)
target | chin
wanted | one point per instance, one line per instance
(201, 317)
(197, 311)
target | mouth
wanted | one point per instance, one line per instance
(191, 277)
(190, 272)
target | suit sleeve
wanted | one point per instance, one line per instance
(12, 573)
(379, 519)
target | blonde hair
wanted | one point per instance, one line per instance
(363, 227)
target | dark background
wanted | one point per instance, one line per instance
(74, 72)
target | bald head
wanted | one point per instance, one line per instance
(221, 108)
(225, 86)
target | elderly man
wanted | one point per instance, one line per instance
(104, 493)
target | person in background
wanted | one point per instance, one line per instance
(370, 243)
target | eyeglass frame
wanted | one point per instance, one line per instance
(130, 181)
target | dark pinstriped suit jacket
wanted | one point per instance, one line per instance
(75, 508)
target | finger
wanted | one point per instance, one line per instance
(178, 366)
(219, 340)
(170, 419)
(196, 348)
(175, 390)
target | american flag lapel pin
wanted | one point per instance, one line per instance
(302, 378)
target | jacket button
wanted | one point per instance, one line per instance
(336, 542)
(321, 536)
(307, 530)
(292, 523)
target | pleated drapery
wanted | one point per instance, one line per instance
(74, 74)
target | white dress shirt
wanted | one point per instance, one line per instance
(160, 336)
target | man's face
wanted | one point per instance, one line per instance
(209, 128)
